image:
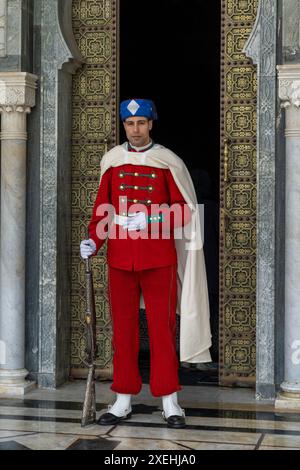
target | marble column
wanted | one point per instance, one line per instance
(17, 97)
(289, 94)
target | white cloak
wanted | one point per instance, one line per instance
(192, 298)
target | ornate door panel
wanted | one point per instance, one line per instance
(95, 26)
(238, 197)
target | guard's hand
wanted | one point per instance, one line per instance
(136, 221)
(87, 248)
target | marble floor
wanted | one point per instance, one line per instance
(217, 419)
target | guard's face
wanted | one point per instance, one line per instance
(138, 130)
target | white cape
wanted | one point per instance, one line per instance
(192, 299)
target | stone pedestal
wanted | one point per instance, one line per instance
(13, 383)
(17, 97)
(289, 92)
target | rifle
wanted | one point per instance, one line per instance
(89, 405)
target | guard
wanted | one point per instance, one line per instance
(147, 208)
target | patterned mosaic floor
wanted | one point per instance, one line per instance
(217, 418)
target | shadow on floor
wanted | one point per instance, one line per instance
(192, 374)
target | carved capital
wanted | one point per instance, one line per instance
(289, 85)
(15, 109)
(17, 90)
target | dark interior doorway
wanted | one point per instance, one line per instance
(170, 53)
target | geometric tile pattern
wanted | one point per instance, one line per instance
(94, 128)
(237, 196)
(241, 10)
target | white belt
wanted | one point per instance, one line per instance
(120, 219)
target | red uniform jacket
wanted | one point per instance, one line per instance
(140, 185)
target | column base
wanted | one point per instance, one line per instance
(13, 383)
(289, 397)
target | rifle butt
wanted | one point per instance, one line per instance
(89, 405)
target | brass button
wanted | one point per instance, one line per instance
(121, 174)
(122, 186)
(136, 174)
(150, 188)
(135, 201)
(153, 175)
(136, 187)
(149, 201)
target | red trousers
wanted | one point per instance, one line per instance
(159, 288)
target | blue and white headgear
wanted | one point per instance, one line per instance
(138, 107)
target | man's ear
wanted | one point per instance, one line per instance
(150, 125)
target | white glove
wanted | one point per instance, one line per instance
(87, 248)
(136, 221)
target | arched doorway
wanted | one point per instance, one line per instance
(94, 94)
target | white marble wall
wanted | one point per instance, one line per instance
(3, 22)
(16, 35)
(14, 27)
(290, 30)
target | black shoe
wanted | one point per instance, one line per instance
(176, 421)
(108, 419)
